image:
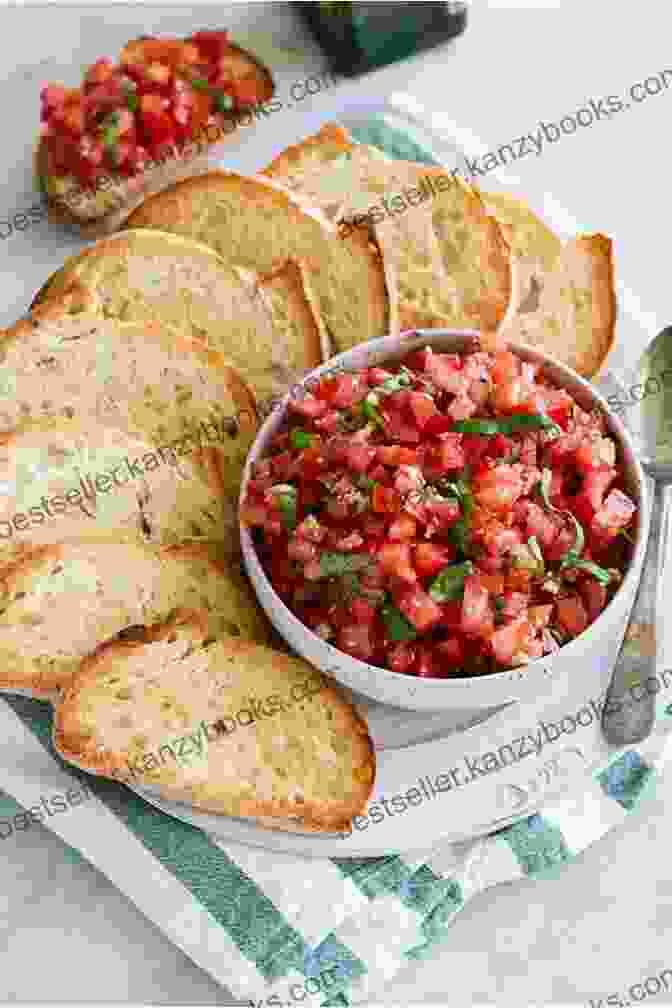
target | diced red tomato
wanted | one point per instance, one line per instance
(402, 657)
(447, 455)
(363, 612)
(506, 367)
(437, 425)
(450, 652)
(385, 500)
(476, 613)
(443, 511)
(356, 639)
(540, 524)
(594, 596)
(405, 527)
(394, 559)
(498, 488)
(539, 616)
(423, 408)
(425, 666)
(309, 407)
(430, 558)
(394, 455)
(571, 614)
(419, 608)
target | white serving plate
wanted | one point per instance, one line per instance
(409, 745)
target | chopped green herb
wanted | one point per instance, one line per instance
(516, 422)
(338, 564)
(372, 413)
(223, 102)
(288, 505)
(132, 101)
(300, 439)
(460, 537)
(599, 573)
(570, 558)
(199, 84)
(499, 603)
(449, 584)
(398, 627)
(477, 427)
(393, 384)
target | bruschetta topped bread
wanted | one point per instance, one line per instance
(261, 324)
(59, 603)
(271, 737)
(133, 127)
(136, 376)
(64, 480)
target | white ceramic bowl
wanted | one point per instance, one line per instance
(594, 646)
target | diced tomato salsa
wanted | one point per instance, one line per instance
(439, 541)
(161, 94)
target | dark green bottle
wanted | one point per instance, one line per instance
(358, 37)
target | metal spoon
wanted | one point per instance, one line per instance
(629, 710)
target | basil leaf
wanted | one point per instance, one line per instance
(477, 427)
(398, 627)
(458, 533)
(516, 422)
(579, 541)
(300, 439)
(287, 504)
(223, 102)
(599, 573)
(449, 584)
(372, 413)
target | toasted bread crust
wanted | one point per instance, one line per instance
(80, 744)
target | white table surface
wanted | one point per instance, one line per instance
(66, 934)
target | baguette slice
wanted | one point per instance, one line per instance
(64, 480)
(102, 207)
(132, 375)
(446, 261)
(151, 276)
(258, 224)
(564, 297)
(287, 747)
(59, 603)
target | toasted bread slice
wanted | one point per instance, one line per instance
(270, 736)
(103, 207)
(258, 224)
(57, 604)
(66, 480)
(151, 276)
(564, 299)
(446, 261)
(132, 375)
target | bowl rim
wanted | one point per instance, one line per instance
(399, 346)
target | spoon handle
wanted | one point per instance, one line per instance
(629, 709)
